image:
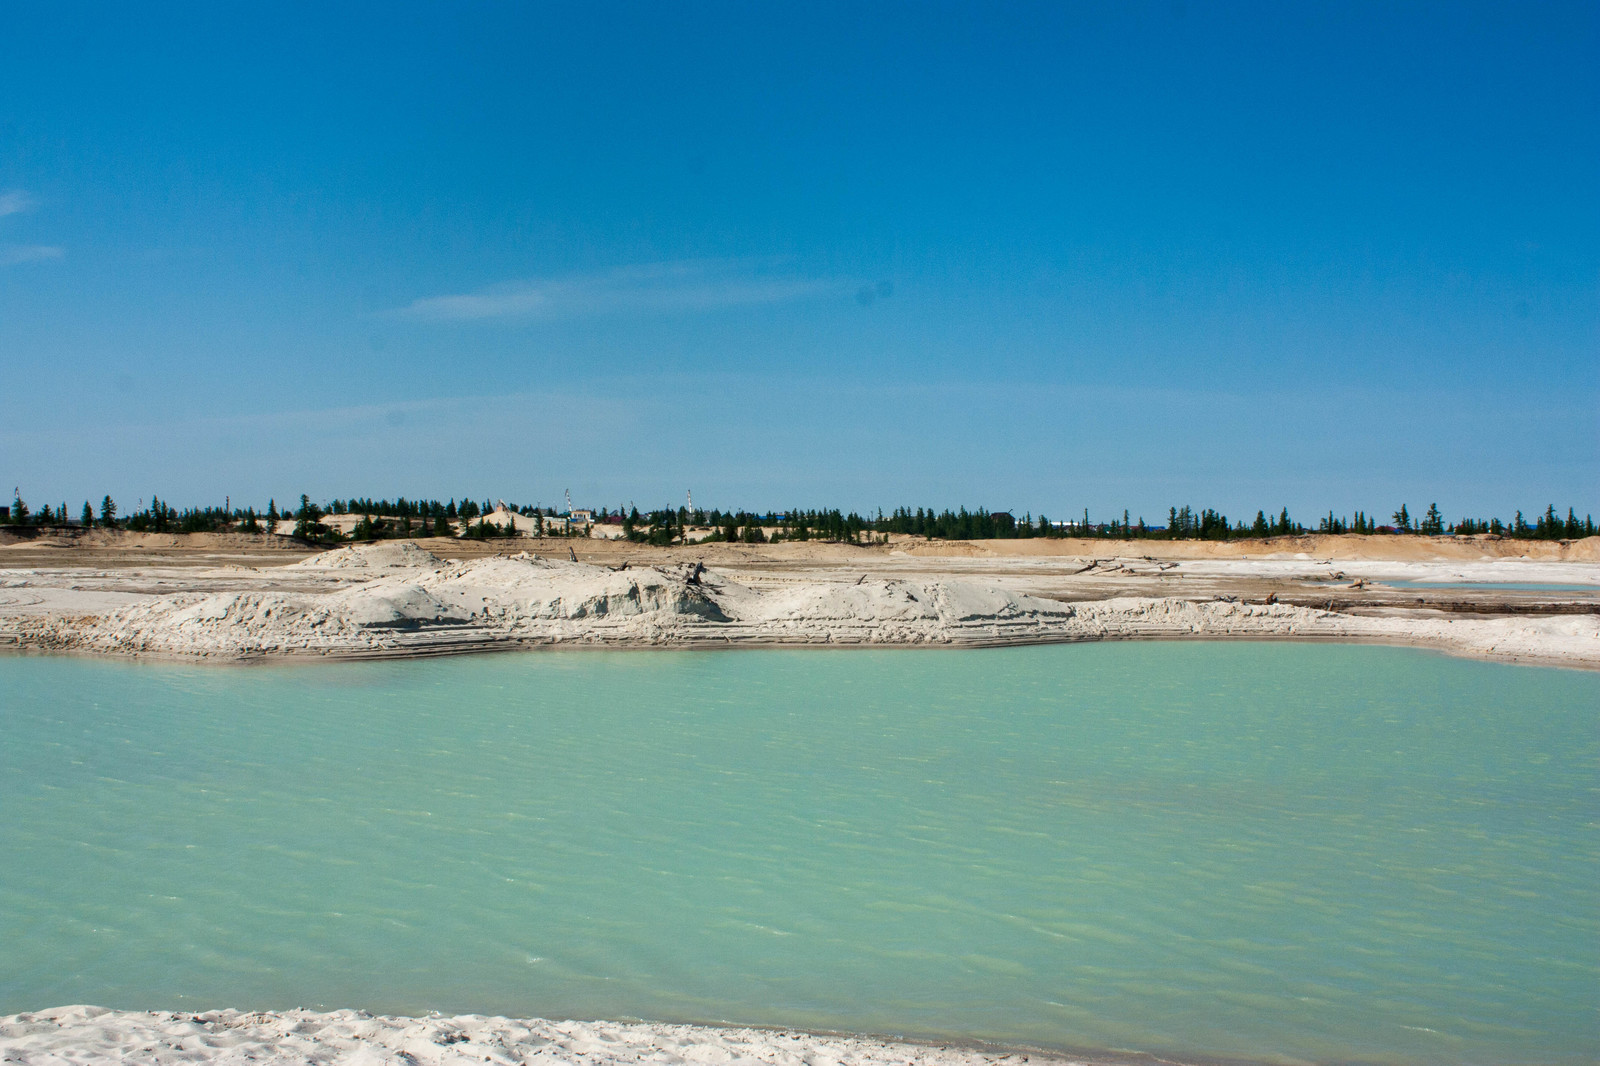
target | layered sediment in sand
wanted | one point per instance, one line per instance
(398, 599)
(289, 1038)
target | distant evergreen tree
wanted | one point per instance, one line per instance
(87, 518)
(308, 521)
(1549, 526)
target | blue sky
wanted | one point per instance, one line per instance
(1038, 257)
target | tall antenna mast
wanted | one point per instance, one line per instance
(569, 501)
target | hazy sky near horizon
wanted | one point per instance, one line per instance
(1032, 257)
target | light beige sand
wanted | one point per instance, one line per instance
(354, 1038)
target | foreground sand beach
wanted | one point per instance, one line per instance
(288, 1038)
(399, 598)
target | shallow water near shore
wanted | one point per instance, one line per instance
(1276, 851)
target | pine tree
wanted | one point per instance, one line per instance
(308, 520)
(1549, 525)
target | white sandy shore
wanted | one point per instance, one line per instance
(93, 1034)
(397, 599)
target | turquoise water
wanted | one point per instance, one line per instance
(1276, 851)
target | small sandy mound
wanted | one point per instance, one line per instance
(382, 556)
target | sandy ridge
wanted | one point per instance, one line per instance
(398, 599)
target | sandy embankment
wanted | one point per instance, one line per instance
(288, 1038)
(397, 599)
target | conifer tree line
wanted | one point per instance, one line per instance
(408, 518)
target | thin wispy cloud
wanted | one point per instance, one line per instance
(12, 254)
(15, 202)
(687, 286)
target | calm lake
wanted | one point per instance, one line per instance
(1273, 851)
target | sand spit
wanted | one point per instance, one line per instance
(286, 1038)
(398, 599)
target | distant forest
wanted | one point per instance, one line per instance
(403, 518)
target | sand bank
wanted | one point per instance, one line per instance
(285, 1038)
(398, 599)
